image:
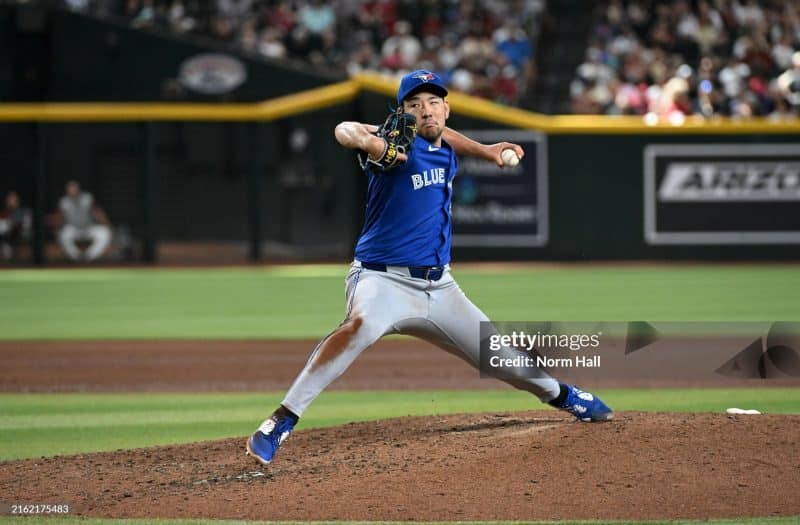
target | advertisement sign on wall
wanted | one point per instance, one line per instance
(212, 73)
(504, 207)
(722, 194)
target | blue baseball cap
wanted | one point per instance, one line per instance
(420, 80)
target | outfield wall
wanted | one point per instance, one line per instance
(588, 196)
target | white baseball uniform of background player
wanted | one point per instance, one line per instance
(83, 220)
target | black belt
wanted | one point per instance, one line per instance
(430, 273)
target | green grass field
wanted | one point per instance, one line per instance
(28, 421)
(306, 302)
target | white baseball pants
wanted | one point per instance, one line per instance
(98, 235)
(381, 303)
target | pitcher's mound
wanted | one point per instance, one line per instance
(520, 466)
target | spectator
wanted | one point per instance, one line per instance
(270, 44)
(512, 41)
(237, 10)
(504, 84)
(81, 219)
(378, 16)
(782, 51)
(318, 18)
(179, 20)
(748, 13)
(708, 33)
(364, 56)
(673, 103)
(222, 28)
(15, 225)
(282, 18)
(146, 16)
(449, 54)
(401, 50)
(248, 38)
(789, 82)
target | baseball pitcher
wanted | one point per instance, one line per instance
(400, 281)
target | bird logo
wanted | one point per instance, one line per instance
(425, 76)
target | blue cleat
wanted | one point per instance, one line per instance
(264, 443)
(585, 406)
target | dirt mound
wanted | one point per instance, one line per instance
(531, 465)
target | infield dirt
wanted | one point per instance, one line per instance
(254, 366)
(534, 465)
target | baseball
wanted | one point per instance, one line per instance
(509, 157)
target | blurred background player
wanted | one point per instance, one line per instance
(15, 225)
(82, 220)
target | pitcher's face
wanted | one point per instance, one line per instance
(431, 112)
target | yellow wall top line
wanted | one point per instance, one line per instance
(342, 92)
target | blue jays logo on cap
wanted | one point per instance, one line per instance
(418, 81)
(425, 76)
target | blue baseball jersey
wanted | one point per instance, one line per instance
(408, 221)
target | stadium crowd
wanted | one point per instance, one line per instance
(669, 59)
(485, 47)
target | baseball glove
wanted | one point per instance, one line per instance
(398, 132)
